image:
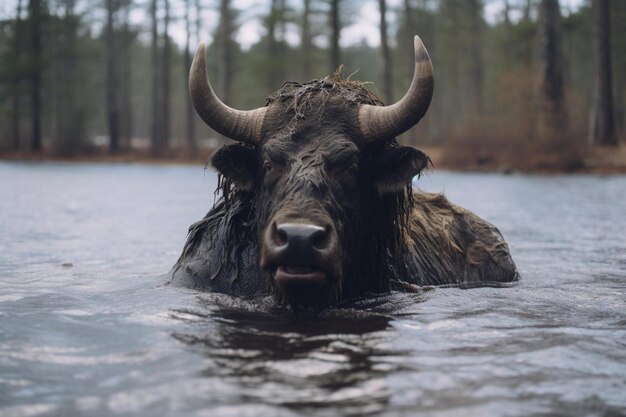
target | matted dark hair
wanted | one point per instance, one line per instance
(384, 223)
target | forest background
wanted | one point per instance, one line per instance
(519, 84)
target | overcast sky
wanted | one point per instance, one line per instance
(364, 28)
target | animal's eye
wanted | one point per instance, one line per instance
(271, 171)
(352, 169)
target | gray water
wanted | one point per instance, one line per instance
(88, 328)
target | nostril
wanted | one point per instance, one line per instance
(279, 235)
(320, 238)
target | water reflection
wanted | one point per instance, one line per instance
(276, 357)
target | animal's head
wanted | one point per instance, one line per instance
(329, 184)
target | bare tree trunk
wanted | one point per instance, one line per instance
(191, 128)
(154, 59)
(16, 102)
(203, 129)
(602, 128)
(272, 47)
(476, 59)
(111, 80)
(387, 68)
(506, 55)
(527, 8)
(69, 123)
(410, 60)
(165, 105)
(552, 107)
(225, 66)
(529, 98)
(410, 29)
(198, 21)
(506, 12)
(282, 31)
(127, 81)
(276, 44)
(618, 16)
(335, 28)
(34, 11)
(452, 94)
(307, 44)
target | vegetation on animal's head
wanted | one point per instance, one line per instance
(299, 96)
(318, 105)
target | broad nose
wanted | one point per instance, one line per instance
(300, 238)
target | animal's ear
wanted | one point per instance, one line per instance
(237, 163)
(394, 168)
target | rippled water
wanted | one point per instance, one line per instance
(87, 328)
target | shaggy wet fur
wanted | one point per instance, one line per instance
(446, 245)
(399, 239)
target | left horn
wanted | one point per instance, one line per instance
(378, 123)
(240, 125)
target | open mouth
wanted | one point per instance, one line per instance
(299, 274)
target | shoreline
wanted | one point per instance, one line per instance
(601, 161)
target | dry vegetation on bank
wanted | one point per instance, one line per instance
(459, 155)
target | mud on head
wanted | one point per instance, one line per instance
(329, 184)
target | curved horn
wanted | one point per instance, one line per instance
(244, 126)
(378, 122)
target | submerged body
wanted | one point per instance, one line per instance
(318, 206)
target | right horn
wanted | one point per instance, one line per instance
(379, 123)
(241, 125)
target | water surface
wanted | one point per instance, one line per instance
(88, 328)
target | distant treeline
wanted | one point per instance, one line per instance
(78, 73)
